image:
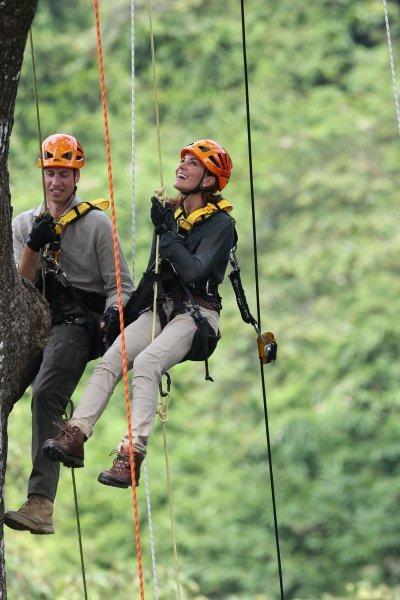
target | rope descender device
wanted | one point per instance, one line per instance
(266, 342)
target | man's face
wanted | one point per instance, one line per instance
(59, 184)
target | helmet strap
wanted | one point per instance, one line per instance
(198, 187)
(74, 190)
(75, 186)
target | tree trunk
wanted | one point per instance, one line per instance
(24, 315)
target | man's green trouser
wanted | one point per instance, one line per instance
(56, 373)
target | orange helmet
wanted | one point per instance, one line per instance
(214, 157)
(61, 150)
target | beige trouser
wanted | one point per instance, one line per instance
(149, 359)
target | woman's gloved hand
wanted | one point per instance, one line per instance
(161, 216)
(43, 232)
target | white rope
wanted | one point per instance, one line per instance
(152, 546)
(392, 68)
(133, 105)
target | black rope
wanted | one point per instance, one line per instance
(78, 523)
(258, 297)
(78, 526)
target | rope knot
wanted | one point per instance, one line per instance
(162, 411)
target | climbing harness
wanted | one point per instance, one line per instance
(78, 211)
(186, 222)
(70, 217)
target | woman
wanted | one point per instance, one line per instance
(196, 237)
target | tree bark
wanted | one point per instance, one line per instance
(24, 314)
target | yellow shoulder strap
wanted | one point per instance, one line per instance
(202, 213)
(78, 211)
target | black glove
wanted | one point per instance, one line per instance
(109, 323)
(43, 232)
(162, 216)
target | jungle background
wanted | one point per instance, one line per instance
(326, 180)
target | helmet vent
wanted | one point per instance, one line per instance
(67, 155)
(48, 154)
(203, 148)
(212, 158)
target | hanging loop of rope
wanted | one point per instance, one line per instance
(269, 450)
(119, 293)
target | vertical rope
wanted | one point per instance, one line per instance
(171, 511)
(39, 130)
(164, 406)
(78, 525)
(248, 119)
(157, 114)
(67, 417)
(149, 516)
(119, 290)
(133, 108)
(392, 67)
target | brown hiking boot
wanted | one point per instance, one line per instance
(67, 447)
(120, 473)
(34, 516)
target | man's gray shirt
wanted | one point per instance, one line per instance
(87, 254)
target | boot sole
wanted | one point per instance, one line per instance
(112, 482)
(21, 524)
(54, 454)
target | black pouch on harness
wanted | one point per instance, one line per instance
(204, 341)
(96, 346)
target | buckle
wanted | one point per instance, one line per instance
(75, 320)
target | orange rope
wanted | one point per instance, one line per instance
(119, 290)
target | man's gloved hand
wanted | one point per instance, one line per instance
(162, 216)
(109, 324)
(43, 232)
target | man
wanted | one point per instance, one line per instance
(67, 251)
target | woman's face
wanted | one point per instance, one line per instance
(189, 173)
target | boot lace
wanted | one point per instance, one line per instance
(121, 461)
(66, 434)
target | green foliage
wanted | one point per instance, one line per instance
(326, 180)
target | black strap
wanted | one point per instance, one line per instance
(241, 299)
